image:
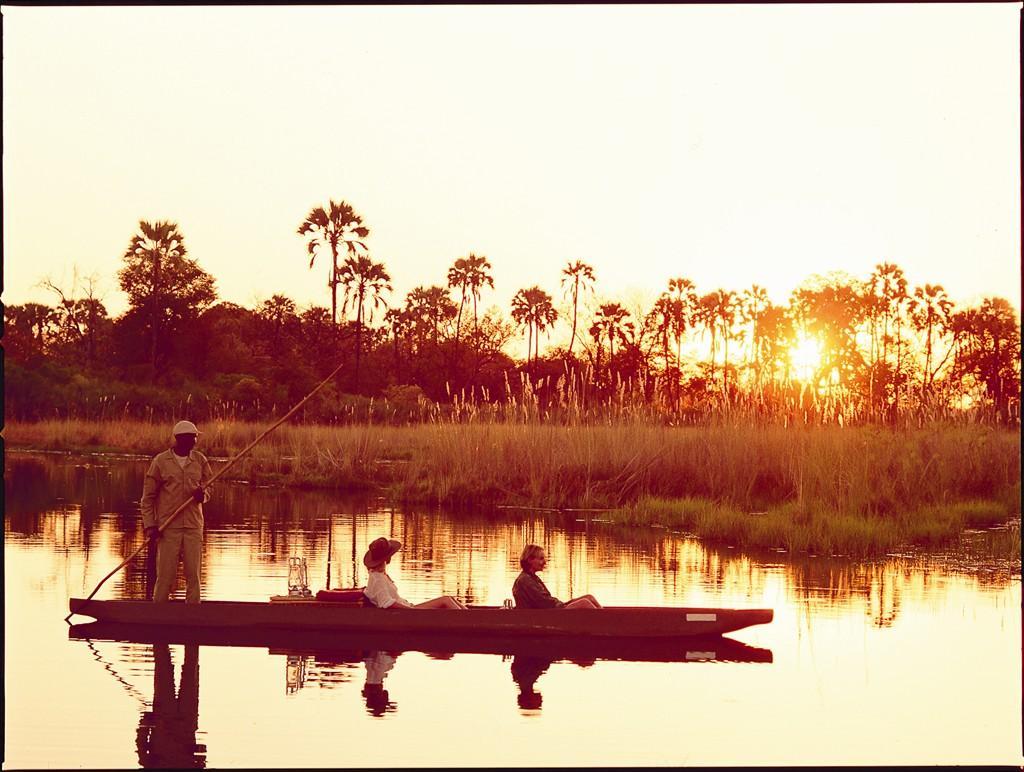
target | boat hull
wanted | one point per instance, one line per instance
(610, 622)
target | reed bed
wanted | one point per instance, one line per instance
(823, 489)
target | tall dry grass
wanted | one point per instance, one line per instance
(822, 488)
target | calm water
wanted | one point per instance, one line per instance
(915, 659)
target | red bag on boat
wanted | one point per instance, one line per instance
(351, 595)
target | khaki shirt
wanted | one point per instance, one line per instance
(168, 484)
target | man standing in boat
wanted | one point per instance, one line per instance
(530, 592)
(177, 475)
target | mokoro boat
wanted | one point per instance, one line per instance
(610, 622)
(328, 646)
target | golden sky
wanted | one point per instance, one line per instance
(729, 144)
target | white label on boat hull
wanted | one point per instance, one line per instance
(700, 655)
(702, 617)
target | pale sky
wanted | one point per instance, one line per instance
(729, 144)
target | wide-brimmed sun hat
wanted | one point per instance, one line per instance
(380, 551)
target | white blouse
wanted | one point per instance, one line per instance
(382, 592)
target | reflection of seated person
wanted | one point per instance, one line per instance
(530, 592)
(525, 672)
(378, 664)
(381, 590)
(166, 737)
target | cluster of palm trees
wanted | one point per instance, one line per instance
(877, 346)
(876, 340)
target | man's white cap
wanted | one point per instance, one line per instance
(185, 427)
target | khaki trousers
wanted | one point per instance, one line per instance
(175, 542)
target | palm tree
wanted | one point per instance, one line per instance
(469, 274)
(575, 277)
(156, 243)
(477, 277)
(278, 313)
(930, 307)
(363, 280)
(532, 308)
(775, 334)
(753, 304)
(707, 315)
(888, 284)
(685, 306)
(661, 316)
(610, 321)
(989, 350)
(429, 307)
(725, 312)
(399, 322)
(338, 224)
(458, 276)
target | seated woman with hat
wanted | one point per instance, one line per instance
(381, 590)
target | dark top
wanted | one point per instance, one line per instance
(530, 592)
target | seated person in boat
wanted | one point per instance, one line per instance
(381, 590)
(530, 592)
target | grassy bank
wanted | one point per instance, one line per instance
(826, 489)
(811, 527)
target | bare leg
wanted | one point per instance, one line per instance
(584, 601)
(445, 601)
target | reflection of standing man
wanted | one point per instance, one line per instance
(178, 474)
(166, 737)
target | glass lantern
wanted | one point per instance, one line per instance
(298, 578)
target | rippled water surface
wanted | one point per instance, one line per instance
(914, 659)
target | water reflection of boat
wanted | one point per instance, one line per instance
(351, 647)
(611, 621)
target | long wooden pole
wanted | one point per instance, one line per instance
(222, 470)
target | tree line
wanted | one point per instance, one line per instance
(844, 348)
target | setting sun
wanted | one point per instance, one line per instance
(805, 355)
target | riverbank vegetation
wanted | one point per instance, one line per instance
(843, 349)
(831, 490)
(862, 413)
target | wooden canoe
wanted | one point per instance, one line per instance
(329, 646)
(608, 622)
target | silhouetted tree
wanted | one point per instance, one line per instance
(611, 321)
(830, 310)
(169, 288)
(364, 281)
(930, 312)
(576, 277)
(684, 309)
(429, 309)
(532, 308)
(752, 304)
(28, 330)
(989, 350)
(469, 274)
(725, 310)
(336, 225)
